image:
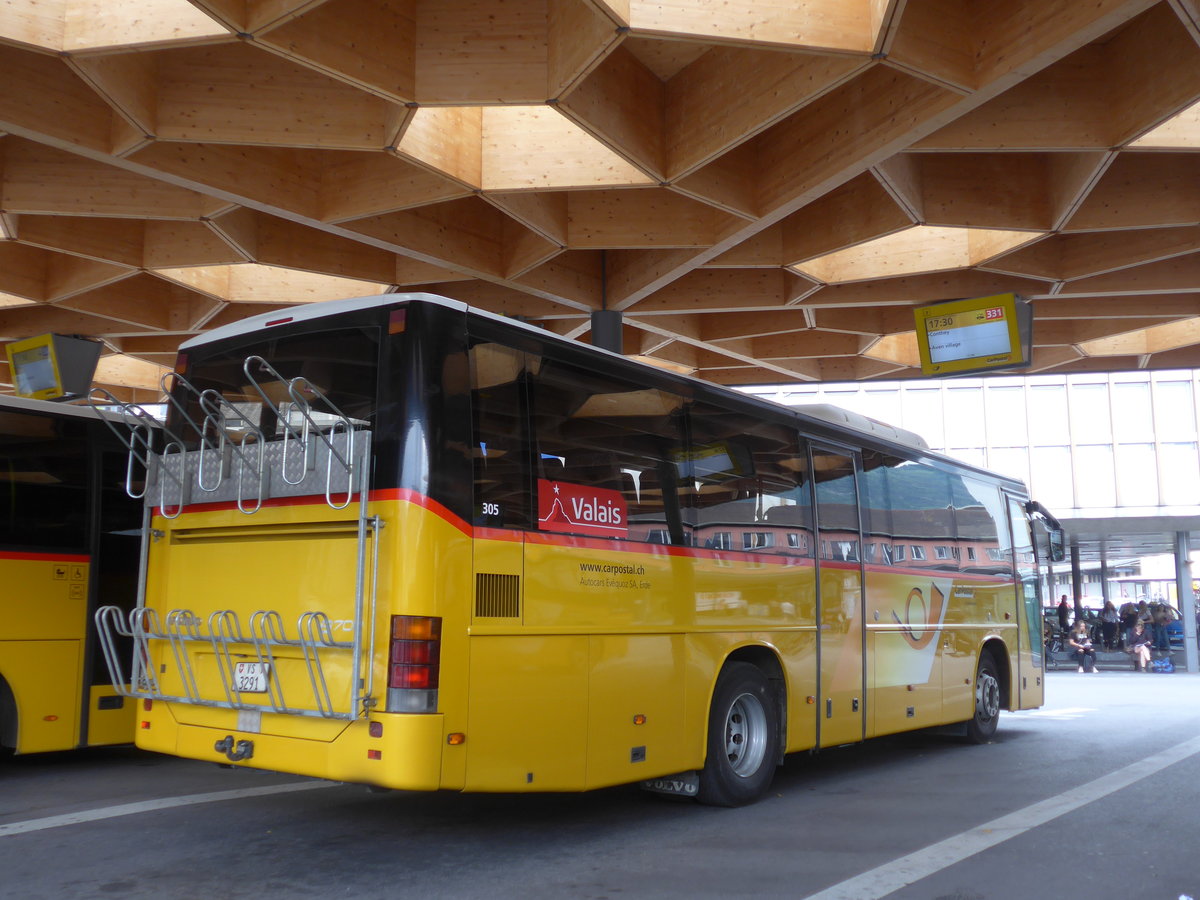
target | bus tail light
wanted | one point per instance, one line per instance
(414, 664)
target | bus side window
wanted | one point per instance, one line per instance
(499, 453)
(604, 454)
(979, 520)
(746, 484)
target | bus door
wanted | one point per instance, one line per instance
(841, 715)
(1028, 685)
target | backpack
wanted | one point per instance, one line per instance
(1164, 665)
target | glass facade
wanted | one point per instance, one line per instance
(1086, 445)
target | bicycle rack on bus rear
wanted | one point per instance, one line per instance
(234, 462)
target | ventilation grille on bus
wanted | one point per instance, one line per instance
(497, 596)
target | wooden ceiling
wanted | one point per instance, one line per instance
(765, 189)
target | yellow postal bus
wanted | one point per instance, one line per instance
(69, 539)
(403, 542)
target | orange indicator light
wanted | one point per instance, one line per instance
(639, 719)
(455, 738)
(374, 754)
(146, 726)
(49, 718)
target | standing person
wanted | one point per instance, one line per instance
(1160, 617)
(1108, 625)
(1129, 618)
(1081, 647)
(1064, 615)
(1137, 645)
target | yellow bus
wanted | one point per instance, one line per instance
(403, 542)
(69, 542)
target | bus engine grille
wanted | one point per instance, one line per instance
(497, 596)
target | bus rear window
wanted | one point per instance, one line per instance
(331, 372)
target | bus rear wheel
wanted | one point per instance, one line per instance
(743, 738)
(982, 725)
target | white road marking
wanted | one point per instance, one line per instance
(883, 880)
(132, 809)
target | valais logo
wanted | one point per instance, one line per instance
(580, 509)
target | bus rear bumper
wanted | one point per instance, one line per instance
(407, 755)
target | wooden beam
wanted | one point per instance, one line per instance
(579, 35)
(535, 147)
(711, 290)
(809, 345)
(988, 190)
(900, 176)
(574, 279)
(1064, 107)
(239, 229)
(540, 211)
(1140, 190)
(356, 185)
(938, 39)
(170, 244)
(70, 275)
(632, 274)
(43, 180)
(279, 242)
(236, 94)
(621, 103)
(858, 211)
(466, 57)
(832, 25)
(448, 140)
(640, 219)
(1154, 65)
(1128, 306)
(278, 178)
(461, 235)
(761, 251)
(881, 320)
(498, 298)
(108, 240)
(142, 301)
(23, 270)
(731, 94)
(32, 320)
(916, 290)
(52, 101)
(1180, 273)
(128, 81)
(95, 25)
(727, 182)
(810, 152)
(369, 44)
(411, 272)
(523, 249)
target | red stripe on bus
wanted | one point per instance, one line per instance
(579, 542)
(45, 557)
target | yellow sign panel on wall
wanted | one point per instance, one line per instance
(975, 335)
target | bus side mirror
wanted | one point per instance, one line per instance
(1058, 550)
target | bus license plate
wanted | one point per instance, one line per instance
(251, 677)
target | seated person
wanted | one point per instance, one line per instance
(1080, 646)
(1139, 647)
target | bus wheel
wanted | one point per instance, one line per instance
(983, 724)
(743, 737)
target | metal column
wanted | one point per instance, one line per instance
(1187, 600)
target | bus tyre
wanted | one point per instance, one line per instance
(982, 726)
(743, 738)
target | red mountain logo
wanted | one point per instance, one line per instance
(580, 509)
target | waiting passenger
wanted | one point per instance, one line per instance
(1108, 625)
(1138, 647)
(1081, 647)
